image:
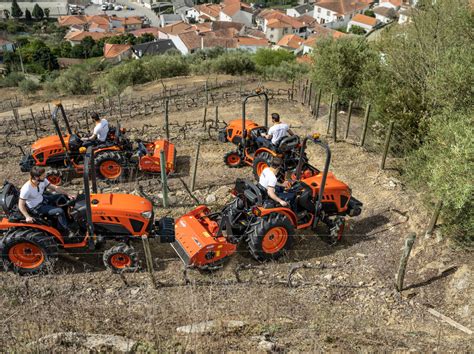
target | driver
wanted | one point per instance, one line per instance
(275, 190)
(276, 132)
(32, 199)
(99, 135)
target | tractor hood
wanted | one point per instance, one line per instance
(237, 123)
(332, 184)
(52, 141)
(124, 204)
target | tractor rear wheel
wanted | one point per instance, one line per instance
(121, 258)
(110, 166)
(233, 159)
(28, 251)
(260, 162)
(271, 237)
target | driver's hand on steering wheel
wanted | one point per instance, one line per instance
(287, 184)
(71, 196)
(283, 203)
(29, 220)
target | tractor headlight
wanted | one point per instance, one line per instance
(147, 214)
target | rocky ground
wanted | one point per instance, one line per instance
(344, 298)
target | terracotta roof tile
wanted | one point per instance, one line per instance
(191, 40)
(249, 41)
(129, 20)
(291, 41)
(366, 20)
(342, 7)
(66, 21)
(177, 28)
(78, 36)
(113, 50)
(140, 32)
(281, 20)
(212, 10)
(211, 42)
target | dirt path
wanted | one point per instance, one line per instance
(346, 302)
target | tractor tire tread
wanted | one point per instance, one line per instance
(122, 248)
(240, 164)
(116, 156)
(257, 232)
(263, 157)
(37, 237)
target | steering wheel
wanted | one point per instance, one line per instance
(64, 201)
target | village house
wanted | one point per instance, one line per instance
(236, 11)
(291, 42)
(320, 32)
(115, 53)
(363, 21)
(276, 24)
(5, 46)
(208, 12)
(297, 11)
(157, 47)
(405, 15)
(76, 37)
(384, 14)
(391, 4)
(337, 13)
(252, 44)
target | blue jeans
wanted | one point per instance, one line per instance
(48, 208)
(288, 197)
(261, 141)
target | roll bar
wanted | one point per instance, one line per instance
(257, 93)
(54, 116)
(89, 170)
(317, 141)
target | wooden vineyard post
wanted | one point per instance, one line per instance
(316, 105)
(386, 145)
(366, 125)
(196, 160)
(349, 115)
(204, 117)
(217, 116)
(330, 112)
(164, 180)
(434, 217)
(167, 124)
(149, 260)
(334, 126)
(404, 260)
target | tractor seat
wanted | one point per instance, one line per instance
(288, 143)
(9, 198)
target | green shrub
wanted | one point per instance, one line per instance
(12, 80)
(76, 80)
(268, 57)
(123, 75)
(28, 87)
(234, 63)
(162, 66)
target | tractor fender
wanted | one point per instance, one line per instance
(108, 148)
(5, 224)
(281, 210)
(264, 149)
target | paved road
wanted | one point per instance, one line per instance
(138, 11)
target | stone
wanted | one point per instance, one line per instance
(361, 255)
(209, 326)
(89, 341)
(328, 277)
(135, 291)
(211, 198)
(266, 345)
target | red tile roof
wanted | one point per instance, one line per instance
(191, 40)
(366, 20)
(322, 32)
(177, 28)
(211, 42)
(253, 42)
(304, 59)
(67, 21)
(290, 41)
(281, 20)
(140, 32)
(212, 10)
(342, 7)
(78, 36)
(114, 50)
(129, 20)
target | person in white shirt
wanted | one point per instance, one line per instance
(33, 200)
(269, 182)
(276, 132)
(99, 135)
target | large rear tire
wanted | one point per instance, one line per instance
(121, 258)
(260, 162)
(111, 166)
(271, 237)
(55, 177)
(28, 251)
(233, 159)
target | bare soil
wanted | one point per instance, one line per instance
(345, 300)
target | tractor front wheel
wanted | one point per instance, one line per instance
(110, 166)
(233, 159)
(261, 162)
(271, 237)
(121, 258)
(55, 177)
(28, 251)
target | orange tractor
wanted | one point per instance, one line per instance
(205, 239)
(65, 154)
(94, 218)
(243, 133)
